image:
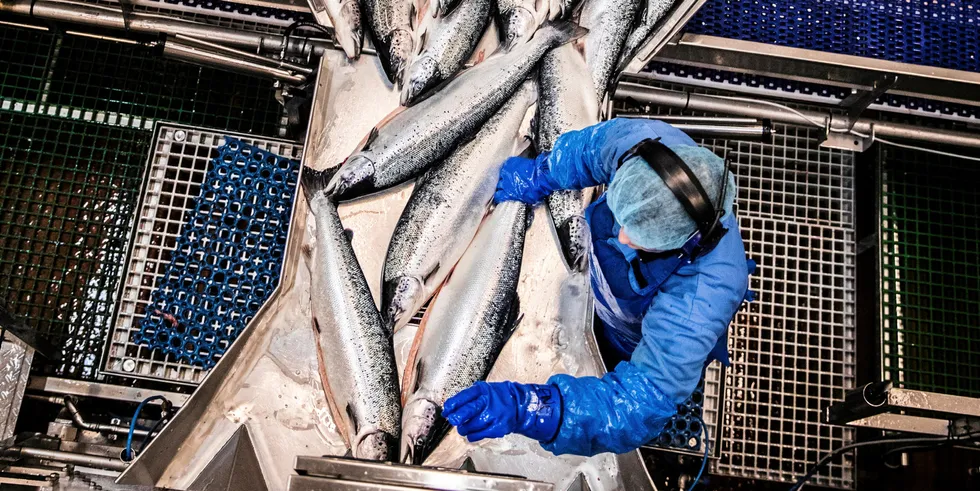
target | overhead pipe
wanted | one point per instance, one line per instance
(68, 457)
(803, 117)
(218, 48)
(745, 129)
(200, 55)
(753, 132)
(98, 16)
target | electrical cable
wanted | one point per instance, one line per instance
(846, 448)
(784, 107)
(127, 454)
(164, 415)
(916, 448)
(707, 450)
(874, 137)
(296, 25)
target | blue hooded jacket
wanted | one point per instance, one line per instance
(664, 316)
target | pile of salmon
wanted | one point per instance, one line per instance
(462, 115)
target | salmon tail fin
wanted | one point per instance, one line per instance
(315, 181)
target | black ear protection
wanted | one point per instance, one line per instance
(689, 192)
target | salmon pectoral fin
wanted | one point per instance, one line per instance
(514, 318)
(335, 413)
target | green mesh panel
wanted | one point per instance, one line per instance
(930, 268)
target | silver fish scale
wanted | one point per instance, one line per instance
(426, 132)
(357, 351)
(385, 16)
(653, 11)
(469, 321)
(609, 23)
(450, 199)
(566, 102)
(455, 38)
(566, 99)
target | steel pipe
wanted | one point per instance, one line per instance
(79, 420)
(802, 117)
(205, 57)
(68, 457)
(707, 127)
(755, 132)
(148, 23)
(218, 48)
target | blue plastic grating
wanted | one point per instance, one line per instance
(227, 259)
(684, 430)
(810, 89)
(936, 33)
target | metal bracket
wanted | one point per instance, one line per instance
(879, 405)
(859, 100)
(845, 141)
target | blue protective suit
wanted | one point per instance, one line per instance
(662, 315)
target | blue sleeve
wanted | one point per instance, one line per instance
(690, 314)
(616, 413)
(589, 157)
(629, 406)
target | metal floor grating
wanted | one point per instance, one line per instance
(67, 194)
(177, 168)
(793, 347)
(73, 140)
(930, 272)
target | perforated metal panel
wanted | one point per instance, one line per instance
(177, 168)
(793, 347)
(127, 85)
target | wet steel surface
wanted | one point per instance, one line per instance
(268, 380)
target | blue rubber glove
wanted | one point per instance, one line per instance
(526, 180)
(492, 410)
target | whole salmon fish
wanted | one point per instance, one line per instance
(445, 210)
(345, 17)
(518, 19)
(653, 11)
(567, 101)
(410, 141)
(464, 329)
(356, 356)
(390, 23)
(609, 23)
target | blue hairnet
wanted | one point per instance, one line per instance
(653, 217)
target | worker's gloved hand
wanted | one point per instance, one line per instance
(526, 180)
(492, 410)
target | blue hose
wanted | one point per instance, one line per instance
(128, 453)
(707, 450)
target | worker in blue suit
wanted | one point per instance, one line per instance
(668, 271)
